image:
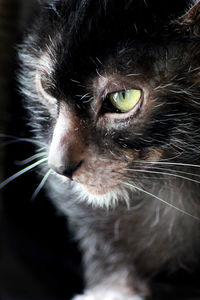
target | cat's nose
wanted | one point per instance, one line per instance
(67, 169)
(67, 147)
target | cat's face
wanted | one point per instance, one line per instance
(111, 92)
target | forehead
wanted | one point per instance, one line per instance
(84, 37)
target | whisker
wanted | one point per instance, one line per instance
(29, 159)
(168, 163)
(143, 177)
(40, 186)
(128, 176)
(177, 171)
(11, 142)
(15, 139)
(162, 200)
(164, 173)
(16, 175)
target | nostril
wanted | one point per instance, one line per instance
(68, 169)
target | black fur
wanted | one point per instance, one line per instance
(87, 40)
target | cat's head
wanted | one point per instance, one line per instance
(113, 87)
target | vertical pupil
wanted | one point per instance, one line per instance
(123, 94)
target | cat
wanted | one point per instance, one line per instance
(112, 90)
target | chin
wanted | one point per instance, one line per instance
(98, 191)
(106, 197)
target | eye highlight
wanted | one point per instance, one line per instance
(125, 100)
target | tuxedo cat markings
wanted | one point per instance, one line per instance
(113, 94)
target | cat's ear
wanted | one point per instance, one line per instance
(190, 21)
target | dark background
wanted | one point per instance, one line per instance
(39, 258)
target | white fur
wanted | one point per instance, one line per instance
(110, 199)
(107, 295)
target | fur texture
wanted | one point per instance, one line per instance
(143, 164)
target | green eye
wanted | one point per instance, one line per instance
(125, 100)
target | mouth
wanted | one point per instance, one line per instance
(100, 189)
(101, 195)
